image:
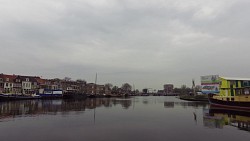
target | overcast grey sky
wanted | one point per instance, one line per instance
(147, 43)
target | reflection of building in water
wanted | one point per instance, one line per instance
(14, 109)
(217, 118)
(145, 101)
(126, 103)
(169, 104)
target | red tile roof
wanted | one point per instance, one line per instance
(6, 76)
(41, 81)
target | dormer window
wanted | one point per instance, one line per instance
(27, 79)
(7, 79)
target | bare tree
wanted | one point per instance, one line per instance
(108, 85)
(114, 90)
(184, 90)
(126, 87)
(81, 81)
(67, 79)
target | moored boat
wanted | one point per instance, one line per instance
(10, 97)
(74, 95)
(194, 97)
(233, 94)
(47, 93)
(232, 102)
(91, 96)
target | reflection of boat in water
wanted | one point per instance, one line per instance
(24, 108)
(234, 94)
(215, 117)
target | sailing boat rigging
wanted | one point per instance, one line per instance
(93, 94)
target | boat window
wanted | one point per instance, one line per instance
(245, 83)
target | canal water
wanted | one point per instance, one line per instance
(148, 118)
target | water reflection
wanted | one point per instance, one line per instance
(134, 119)
(218, 118)
(38, 107)
(170, 104)
(14, 109)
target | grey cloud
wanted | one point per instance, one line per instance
(146, 43)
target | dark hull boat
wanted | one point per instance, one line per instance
(74, 96)
(91, 96)
(10, 97)
(232, 102)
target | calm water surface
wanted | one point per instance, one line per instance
(149, 118)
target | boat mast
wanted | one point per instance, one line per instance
(95, 95)
(193, 87)
(95, 82)
(134, 88)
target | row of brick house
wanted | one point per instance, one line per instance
(18, 84)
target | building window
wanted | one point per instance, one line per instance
(27, 79)
(7, 79)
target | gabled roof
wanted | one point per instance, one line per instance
(31, 78)
(5, 76)
(235, 78)
(40, 80)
